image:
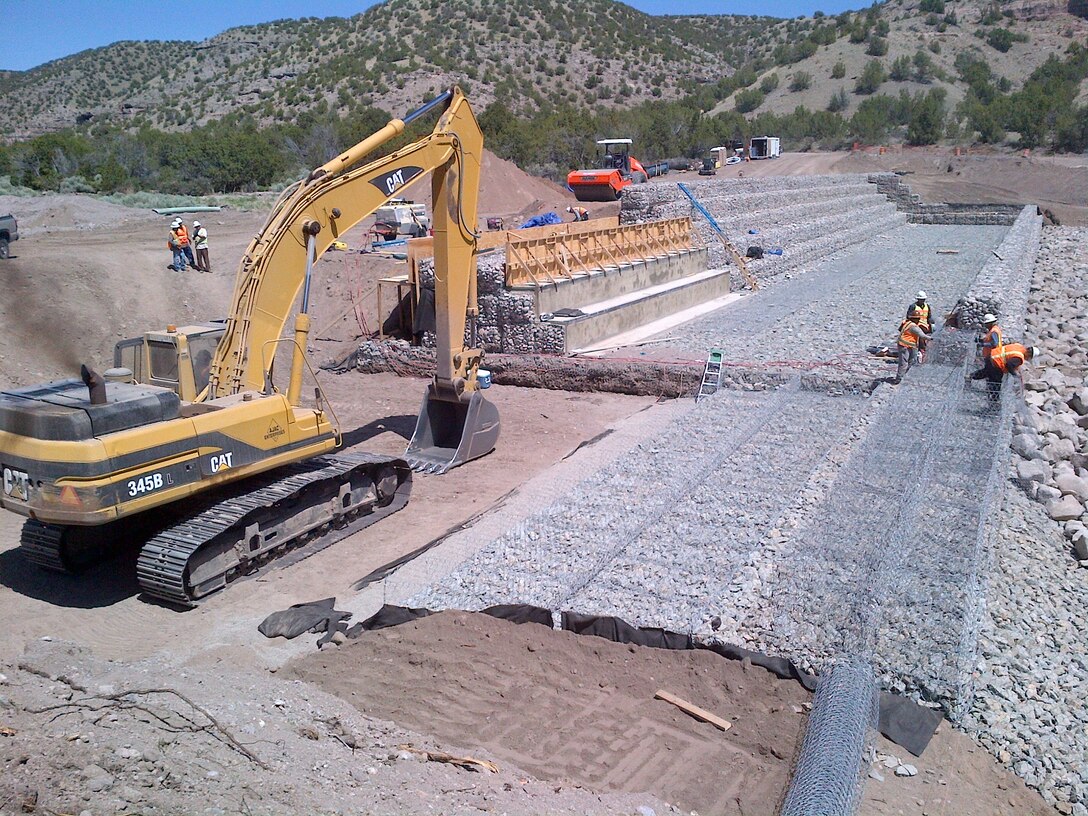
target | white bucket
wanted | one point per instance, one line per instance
(483, 378)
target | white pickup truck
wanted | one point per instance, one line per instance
(9, 231)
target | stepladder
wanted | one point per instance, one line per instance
(712, 375)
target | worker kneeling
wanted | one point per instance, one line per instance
(911, 336)
(1006, 359)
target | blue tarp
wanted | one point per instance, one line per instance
(542, 220)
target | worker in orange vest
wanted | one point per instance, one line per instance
(990, 340)
(911, 336)
(181, 235)
(1007, 358)
(925, 322)
(580, 213)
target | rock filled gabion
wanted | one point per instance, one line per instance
(1001, 288)
(507, 321)
(808, 217)
(1033, 668)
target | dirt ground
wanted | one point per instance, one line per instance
(86, 274)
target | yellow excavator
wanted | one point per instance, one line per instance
(189, 446)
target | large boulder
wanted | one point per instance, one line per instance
(1067, 508)
(1033, 470)
(1059, 449)
(1072, 485)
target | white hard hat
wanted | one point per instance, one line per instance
(570, 209)
(989, 318)
(196, 223)
(177, 222)
(921, 294)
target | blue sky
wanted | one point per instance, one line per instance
(36, 31)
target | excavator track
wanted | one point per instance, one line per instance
(308, 507)
(42, 544)
(72, 550)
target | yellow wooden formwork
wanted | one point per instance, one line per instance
(542, 261)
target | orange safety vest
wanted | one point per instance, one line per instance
(924, 319)
(995, 335)
(1003, 354)
(907, 338)
(183, 235)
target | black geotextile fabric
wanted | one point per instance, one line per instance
(778, 666)
(620, 631)
(902, 720)
(314, 616)
(906, 723)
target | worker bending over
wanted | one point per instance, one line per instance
(1008, 358)
(911, 336)
(580, 213)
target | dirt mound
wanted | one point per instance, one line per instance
(581, 709)
(54, 213)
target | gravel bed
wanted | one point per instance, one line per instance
(652, 507)
(850, 302)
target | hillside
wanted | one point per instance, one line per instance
(391, 56)
(927, 45)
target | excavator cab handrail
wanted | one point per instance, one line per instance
(270, 387)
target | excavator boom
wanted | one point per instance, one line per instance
(220, 479)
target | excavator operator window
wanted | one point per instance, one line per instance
(163, 358)
(202, 350)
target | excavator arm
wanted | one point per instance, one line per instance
(310, 215)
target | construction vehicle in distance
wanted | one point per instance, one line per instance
(616, 170)
(195, 453)
(400, 217)
(9, 231)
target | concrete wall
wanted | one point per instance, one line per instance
(602, 284)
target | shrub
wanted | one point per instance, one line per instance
(801, 81)
(838, 70)
(1000, 39)
(878, 47)
(839, 101)
(901, 69)
(749, 99)
(932, 6)
(872, 77)
(768, 83)
(927, 118)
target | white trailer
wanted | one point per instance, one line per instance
(765, 147)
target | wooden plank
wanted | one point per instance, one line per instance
(694, 710)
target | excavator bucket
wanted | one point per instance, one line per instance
(450, 433)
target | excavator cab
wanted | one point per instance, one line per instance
(177, 358)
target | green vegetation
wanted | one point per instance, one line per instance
(839, 101)
(749, 99)
(616, 74)
(872, 77)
